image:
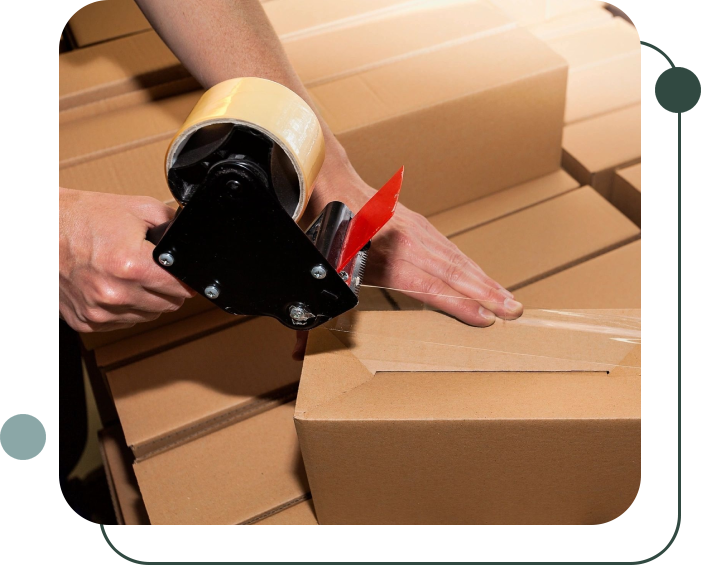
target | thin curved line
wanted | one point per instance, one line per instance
(104, 534)
(651, 46)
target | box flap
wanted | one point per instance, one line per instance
(170, 397)
(432, 78)
(571, 23)
(564, 230)
(593, 347)
(503, 203)
(338, 53)
(235, 474)
(611, 280)
(101, 21)
(605, 141)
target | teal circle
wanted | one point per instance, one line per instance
(678, 90)
(23, 437)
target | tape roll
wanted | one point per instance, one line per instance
(272, 110)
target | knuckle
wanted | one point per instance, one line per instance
(127, 268)
(107, 294)
(454, 273)
(94, 316)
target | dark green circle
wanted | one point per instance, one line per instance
(678, 90)
(23, 437)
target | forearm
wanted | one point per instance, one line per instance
(221, 39)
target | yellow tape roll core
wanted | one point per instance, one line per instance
(273, 110)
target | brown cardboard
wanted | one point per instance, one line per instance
(317, 58)
(336, 53)
(498, 439)
(185, 392)
(593, 149)
(301, 514)
(625, 193)
(123, 129)
(535, 11)
(105, 20)
(297, 18)
(115, 68)
(488, 112)
(571, 22)
(495, 206)
(604, 68)
(611, 280)
(126, 499)
(541, 240)
(242, 473)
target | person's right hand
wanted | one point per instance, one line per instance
(107, 276)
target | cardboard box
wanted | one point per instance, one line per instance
(123, 129)
(535, 11)
(240, 474)
(298, 18)
(625, 193)
(337, 53)
(571, 22)
(109, 19)
(184, 392)
(604, 68)
(317, 59)
(115, 68)
(126, 499)
(471, 118)
(503, 203)
(301, 514)
(542, 240)
(516, 425)
(593, 149)
(611, 280)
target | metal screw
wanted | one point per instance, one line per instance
(319, 272)
(233, 184)
(166, 259)
(344, 275)
(211, 292)
(300, 315)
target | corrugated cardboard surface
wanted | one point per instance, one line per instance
(115, 68)
(123, 129)
(126, 498)
(187, 391)
(539, 241)
(594, 148)
(503, 203)
(471, 118)
(239, 474)
(611, 280)
(102, 21)
(625, 194)
(505, 439)
(301, 514)
(604, 68)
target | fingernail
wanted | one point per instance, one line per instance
(513, 306)
(486, 314)
(506, 293)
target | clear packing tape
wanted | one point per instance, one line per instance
(418, 337)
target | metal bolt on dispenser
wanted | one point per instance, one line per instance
(166, 259)
(211, 292)
(319, 272)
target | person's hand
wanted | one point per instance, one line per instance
(107, 277)
(409, 254)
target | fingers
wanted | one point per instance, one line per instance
(155, 278)
(436, 293)
(300, 346)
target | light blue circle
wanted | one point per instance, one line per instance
(23, 437)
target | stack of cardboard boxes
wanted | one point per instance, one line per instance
(483, 102)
